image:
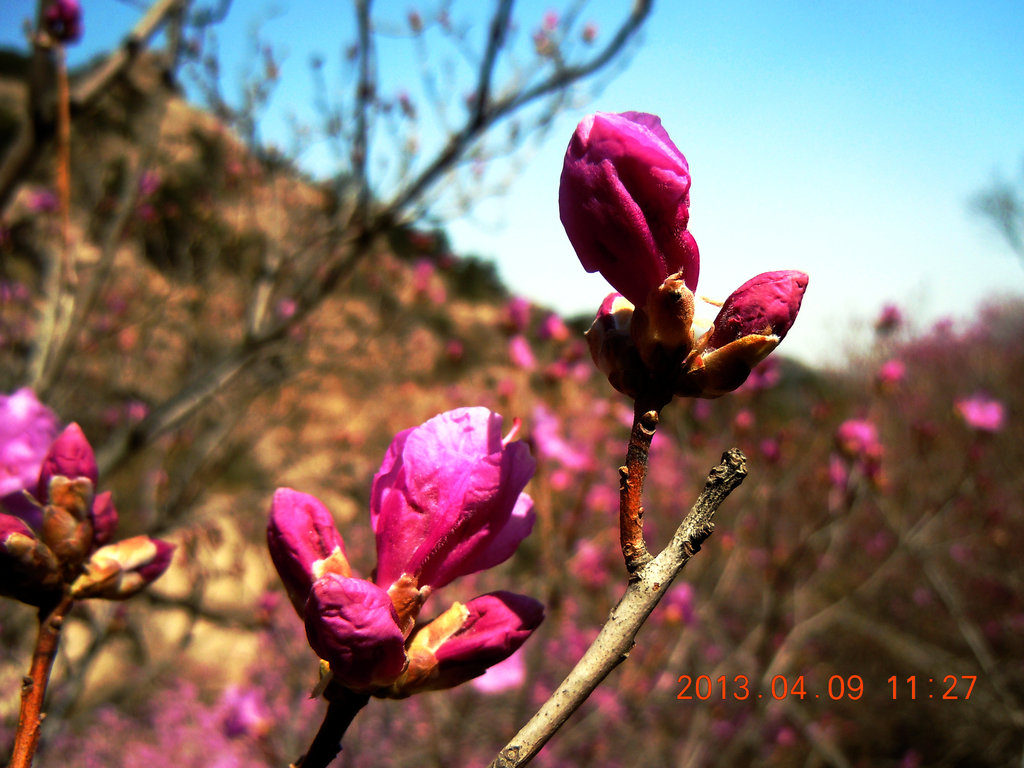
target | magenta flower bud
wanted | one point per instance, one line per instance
(611, 345)
(448, 499)
(70, 456)
(122, 569)
(624, 201)
(64, 21)
(765, 305)
(352, 624)
(498, 623)
(465, 640)
(104, 519)
(29, 571)
(303, 543)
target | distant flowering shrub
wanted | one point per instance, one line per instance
(447, 502)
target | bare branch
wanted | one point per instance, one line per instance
(365, 89)
(618, 635)
(475, 125)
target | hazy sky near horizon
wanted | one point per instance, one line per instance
(842, 138)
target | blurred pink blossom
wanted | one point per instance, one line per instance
(286, 308)
(744, 420)
(503, 676)
(517, 314)
(589, 563)
(244, 712)
(549, 437)
(27, 428)
(680, 603)
(982, 413)
(43, 201)
(891, 373)
(889, 320)
(520, 353)
(858, 439)
(553, 328)
(454, 350)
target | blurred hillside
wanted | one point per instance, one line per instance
(841, 562)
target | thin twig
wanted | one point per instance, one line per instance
(344, 705)
(33, 686)
(365, 92)
(616, 638)
(476, 124)
(631, 485)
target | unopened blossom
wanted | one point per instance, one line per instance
(448, 499)
(29, 570)
(120, 570)
(352, 624)
(70, 456)
(304, 544)
(624, 200)
(104, 519)
(465, 640)
(982, 413)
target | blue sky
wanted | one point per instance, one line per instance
(842, 138)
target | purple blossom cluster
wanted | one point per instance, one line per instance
(56, 535)
(447, 502)
(624, 199)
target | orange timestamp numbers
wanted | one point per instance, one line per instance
(836, 688)
(723, 688)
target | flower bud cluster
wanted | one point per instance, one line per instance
(659, 349)
(55, 540)
(446, 502)
(624, 200)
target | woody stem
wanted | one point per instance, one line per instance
(631, 483)
(33, 685)
(342, 708)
